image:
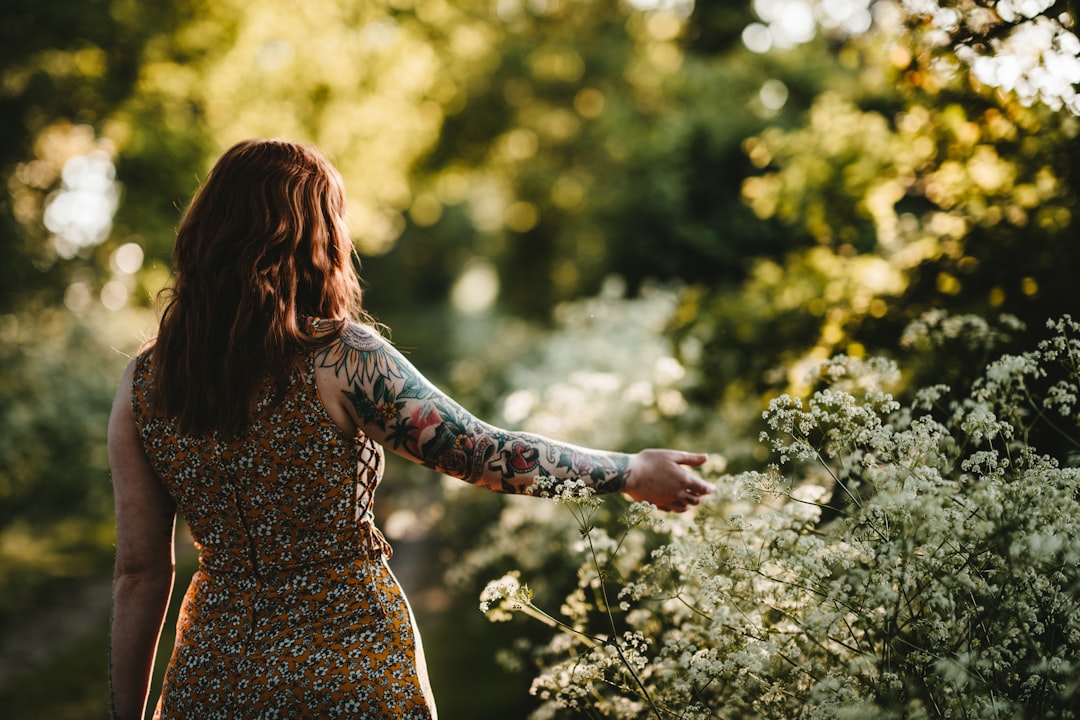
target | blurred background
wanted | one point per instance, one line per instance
(618, 222)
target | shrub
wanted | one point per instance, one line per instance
(897, 561)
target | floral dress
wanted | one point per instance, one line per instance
(293, 611)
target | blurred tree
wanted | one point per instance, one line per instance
(716, 27)
(592, 146)
(1028, 49)
(554, 143)
(67, 66)
(917, 187)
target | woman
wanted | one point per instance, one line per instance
(260, 413)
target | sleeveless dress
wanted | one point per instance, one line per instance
(293, 611)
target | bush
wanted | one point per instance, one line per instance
(58, 375)
(896, 562)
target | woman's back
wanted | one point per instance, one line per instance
(292, 576)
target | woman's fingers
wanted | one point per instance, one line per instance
(694, 459)
(664, 478)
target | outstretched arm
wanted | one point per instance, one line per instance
(392, 403)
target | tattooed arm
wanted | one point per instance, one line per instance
(386, 398)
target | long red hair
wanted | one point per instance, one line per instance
(263, 244)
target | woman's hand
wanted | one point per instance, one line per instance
(661, 477)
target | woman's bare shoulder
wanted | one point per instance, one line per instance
(358, 352)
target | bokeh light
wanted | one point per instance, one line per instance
(80, 214)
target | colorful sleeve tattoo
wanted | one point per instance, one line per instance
(400, 409)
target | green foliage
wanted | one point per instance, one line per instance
(898, 561)
(56, 514)
(595, 147)
(927, 190)
(67, 67)
(72, 685)
(909, 186)
(51, 414)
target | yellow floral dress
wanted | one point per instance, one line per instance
(293, 611)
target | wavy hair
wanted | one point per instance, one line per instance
(263, 244)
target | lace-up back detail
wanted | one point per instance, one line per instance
(291, 491)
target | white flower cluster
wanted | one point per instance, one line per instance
(906, 560)
(849, 413)
(564, 490)
(936, 329)
(504, 596)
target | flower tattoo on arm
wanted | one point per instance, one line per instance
(399, 408)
